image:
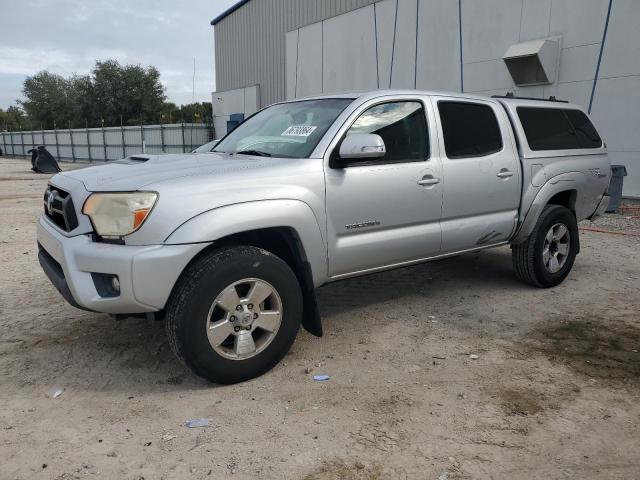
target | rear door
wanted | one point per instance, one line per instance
(481, 173)
(385, 211)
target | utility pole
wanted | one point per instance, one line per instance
(24, 152)
(73, 151)
(55, 133)
(124, 147)
(86, 127)
(144, 146)
(104, 141)
(162, 131)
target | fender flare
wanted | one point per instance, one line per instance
(553, 186)
(223, 221)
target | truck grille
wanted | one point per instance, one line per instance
(58, 207)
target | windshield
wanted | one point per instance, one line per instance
(207, 147)
(284, 130)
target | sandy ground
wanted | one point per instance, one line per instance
(554, 392)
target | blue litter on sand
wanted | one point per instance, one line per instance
(321, 378)
(198, 422)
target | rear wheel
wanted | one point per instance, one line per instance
(547, 256)
(234, 314)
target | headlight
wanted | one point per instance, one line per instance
(115, 215)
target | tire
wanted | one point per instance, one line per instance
(197, 307)
(533, 261)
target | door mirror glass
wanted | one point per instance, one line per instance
(362, 146)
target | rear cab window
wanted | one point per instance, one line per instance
(557, 129)
(469, 129)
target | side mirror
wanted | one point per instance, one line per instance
(362, 146)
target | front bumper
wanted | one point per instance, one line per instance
(146, 274)
(601, 208)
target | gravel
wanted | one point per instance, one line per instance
(554, 392)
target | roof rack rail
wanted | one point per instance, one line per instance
(552, 98)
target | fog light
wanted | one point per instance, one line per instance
(107, 284)
(115, 284)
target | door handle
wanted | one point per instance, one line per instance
(505, 174)
(427, 181)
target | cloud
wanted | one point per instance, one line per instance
(68, 36)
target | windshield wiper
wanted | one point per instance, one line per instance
(257, 153)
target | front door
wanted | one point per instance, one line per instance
(385, 211)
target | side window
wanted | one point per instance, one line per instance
(402, 126)
(547, 129)
(585, 131)
(557, 129)
(470, 129)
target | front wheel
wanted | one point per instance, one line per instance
(234, 314)
(547, 256)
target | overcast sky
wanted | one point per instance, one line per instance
(68, 36)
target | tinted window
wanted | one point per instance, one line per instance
(402, 126)
(557, 129)
(585, 131)
(547, 129)
(470, 129)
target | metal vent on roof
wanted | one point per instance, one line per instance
(534, 62)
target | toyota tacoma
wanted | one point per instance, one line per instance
(228, 246)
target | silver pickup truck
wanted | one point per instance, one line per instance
(228, 246)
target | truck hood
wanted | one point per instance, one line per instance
(190, 184)
(141, 171)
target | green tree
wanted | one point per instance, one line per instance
(197, 112)
(170, 113)
(47, 99)
(130, 92)
(80, 101)
(112, 94)
(190, 113)
(13, 119)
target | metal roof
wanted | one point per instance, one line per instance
(229, 11)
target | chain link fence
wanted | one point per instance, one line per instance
(108, 143)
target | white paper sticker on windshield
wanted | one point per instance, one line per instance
(298, 131)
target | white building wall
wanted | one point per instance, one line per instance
(616, 102)
(348, 53)
(438, 59)
(240, 100)
(459, 44)
(309, 72)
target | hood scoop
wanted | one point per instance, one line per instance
(134, 160)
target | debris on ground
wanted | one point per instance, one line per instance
(197, 422)
(55, 392)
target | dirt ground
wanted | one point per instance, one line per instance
(553, 393)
